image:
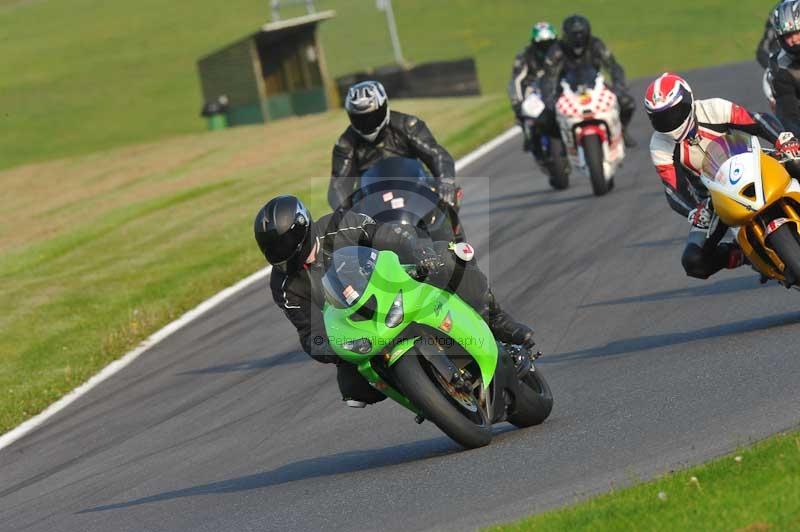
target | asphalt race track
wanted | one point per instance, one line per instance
(226, 426)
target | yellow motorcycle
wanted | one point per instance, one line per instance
(754, 195)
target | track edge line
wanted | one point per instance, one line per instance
(117, 365)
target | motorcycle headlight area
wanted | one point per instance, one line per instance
(395, 315)
(362, 346)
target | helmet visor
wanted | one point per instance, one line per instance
(577, 40)
(282, 248)
(367, 123)
(672, 118)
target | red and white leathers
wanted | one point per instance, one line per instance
(679, 163)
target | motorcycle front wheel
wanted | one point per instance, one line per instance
(593, 154)
(465, 423)
(784, 241)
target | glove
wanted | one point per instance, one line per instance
(447, 190)
(428, 262)
(787, 146)
(701, 215)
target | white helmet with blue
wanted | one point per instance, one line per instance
(368, 108)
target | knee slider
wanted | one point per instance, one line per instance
(695, 262)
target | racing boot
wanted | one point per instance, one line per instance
(503, 326)
(356, 391)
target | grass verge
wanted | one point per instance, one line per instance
(757, 488)
(97, 252)
(130, 75)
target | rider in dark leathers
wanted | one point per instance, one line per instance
(376, 133)
(526, 75)
(769, 43)
(577, 48)
(784, 66)
(300, 250)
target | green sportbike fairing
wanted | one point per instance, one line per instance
(427, 349)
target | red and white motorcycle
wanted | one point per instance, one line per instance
(588, 116)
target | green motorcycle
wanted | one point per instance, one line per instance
(427, 349)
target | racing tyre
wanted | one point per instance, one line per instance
(418, 381)
(557, 165)
(593, 154)
(785, 243)
(533, 402)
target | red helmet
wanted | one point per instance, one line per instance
(669, 103)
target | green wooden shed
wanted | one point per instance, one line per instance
(276, 72)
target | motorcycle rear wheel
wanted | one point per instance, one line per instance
(784, 241)
(534, 402)
(419, 385)
(593, 155)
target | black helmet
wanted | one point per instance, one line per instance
(281, 229)
(577, 32)
(368, 108)
(786, 20)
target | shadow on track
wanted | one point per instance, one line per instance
(657, 243)
(282, 359)
(643, 343)
(323, 466)
(725, 286)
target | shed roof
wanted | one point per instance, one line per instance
(275, 31)
(296, 22)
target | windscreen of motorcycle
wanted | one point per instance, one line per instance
(348, 275)
(582, 78)
(730, 158)
(398, 190)
(731, 171)
(532, 106)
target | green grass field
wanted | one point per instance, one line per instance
(755, 489)
(85, 75)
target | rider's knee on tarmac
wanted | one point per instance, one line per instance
(696, 263)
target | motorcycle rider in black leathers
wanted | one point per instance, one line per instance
(375, 133)
(769, 43)
(299, 250)
(578, 47)
(526, 75)
(784, 66)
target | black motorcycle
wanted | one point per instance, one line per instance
(399, 190)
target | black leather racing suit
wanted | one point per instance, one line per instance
(560, 60)
(301, 297)
(404, 136)
(785, 72)
(527, 71)
(769, 43)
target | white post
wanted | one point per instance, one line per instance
(386, 6)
